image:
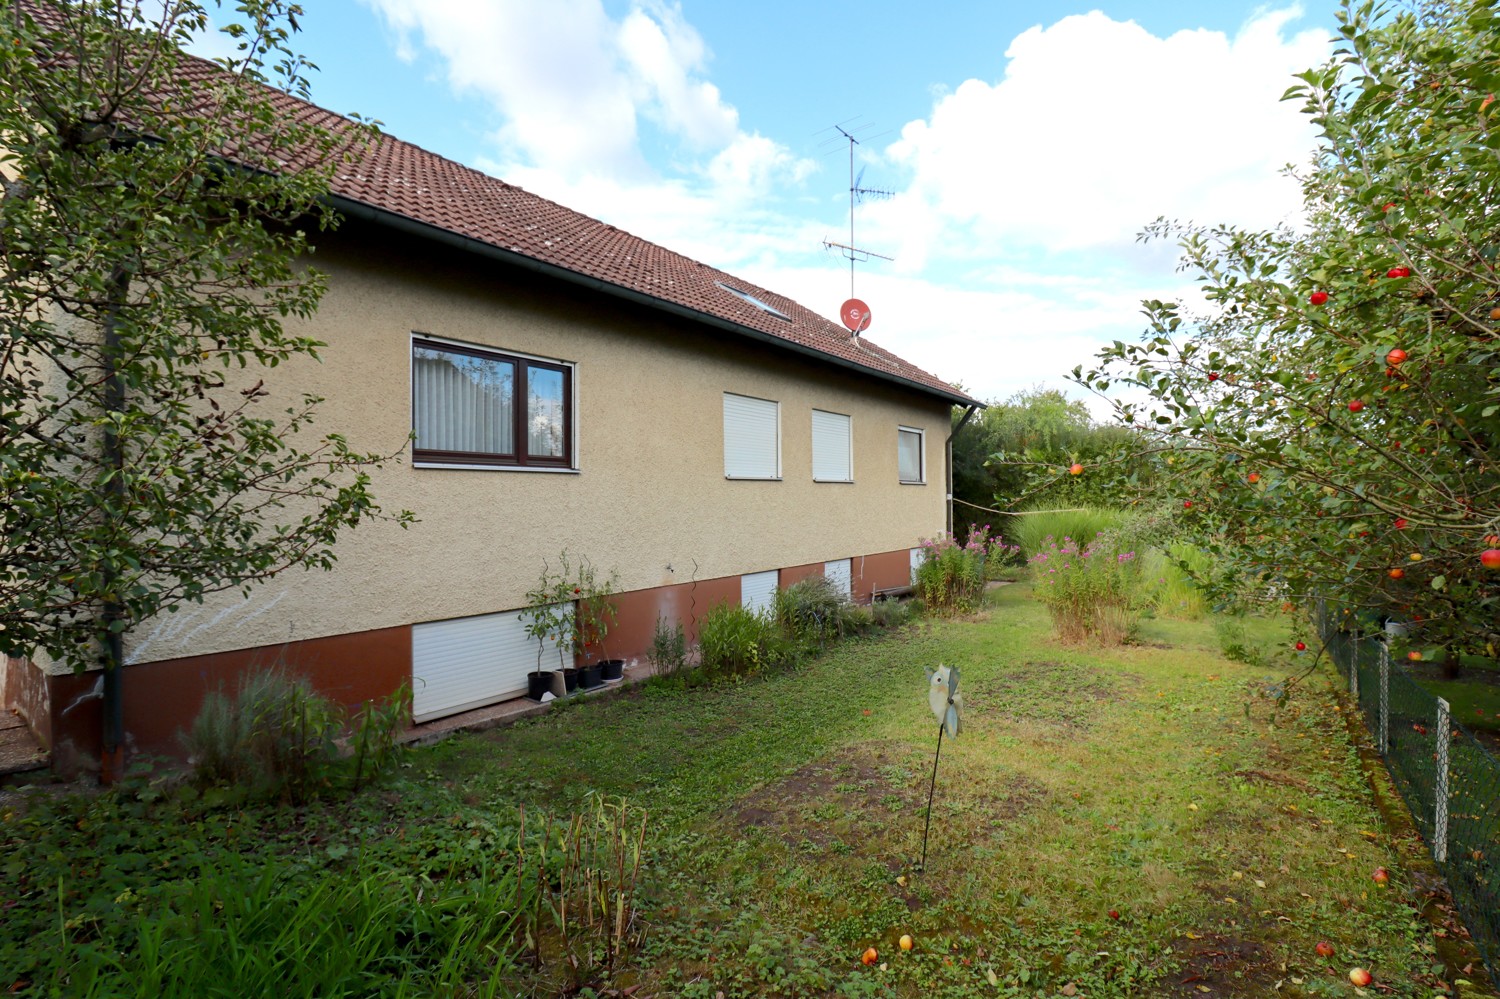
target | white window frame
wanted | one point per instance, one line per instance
(734, 466)
(825, 446)
(921, 479)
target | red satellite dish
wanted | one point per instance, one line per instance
(856, 315)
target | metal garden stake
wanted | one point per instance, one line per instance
(947, 705)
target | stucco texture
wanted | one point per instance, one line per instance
(649, 498)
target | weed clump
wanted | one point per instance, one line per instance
(281, 738)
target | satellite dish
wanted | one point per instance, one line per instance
(856, 316)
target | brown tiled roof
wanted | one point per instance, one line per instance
(404, 183)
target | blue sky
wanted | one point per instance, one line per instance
(1026, 144)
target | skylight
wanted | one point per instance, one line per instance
(762, 306)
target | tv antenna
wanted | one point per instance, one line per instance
(857, 193)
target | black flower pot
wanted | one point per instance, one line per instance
(570, 679)
(590, 677)
(613, 670)
(538, 683)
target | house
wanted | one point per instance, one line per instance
(569, 387)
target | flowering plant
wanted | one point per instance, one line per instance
(950, 578)
(1093, 591)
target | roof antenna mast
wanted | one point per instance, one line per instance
(856, 314)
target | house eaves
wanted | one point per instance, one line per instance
(447, 237)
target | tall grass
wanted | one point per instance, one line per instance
(1174, 594)
(281, 929)
(1033, 530)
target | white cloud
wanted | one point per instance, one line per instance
(572, 87)
(1097, 128)
(1015, 226)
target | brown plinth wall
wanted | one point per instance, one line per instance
(162, 698)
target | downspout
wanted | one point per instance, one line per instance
(948, 461)
(112, 759)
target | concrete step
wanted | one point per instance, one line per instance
(19, 750)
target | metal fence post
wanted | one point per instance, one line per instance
(1440, 830)
(1385, 698)
(1354, 670)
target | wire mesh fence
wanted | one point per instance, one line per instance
(1448, 779)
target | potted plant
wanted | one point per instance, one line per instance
(593, 617)
(549, 620)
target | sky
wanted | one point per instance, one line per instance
(1023, 146)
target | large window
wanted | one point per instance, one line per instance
(752, 438)
(832, 451)
(910, 459)
(479, 407)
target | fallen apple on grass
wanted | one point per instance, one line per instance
(1361, 977)
(907, 943)
(870, 956)
(1324, 948)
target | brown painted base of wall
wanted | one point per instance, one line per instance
(161, 699)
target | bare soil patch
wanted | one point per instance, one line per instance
(1067, 695)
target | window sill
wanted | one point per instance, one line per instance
(836, 482)
(494, 468)
(752, 478)
(912, 482)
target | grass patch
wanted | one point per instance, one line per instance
(786, 815)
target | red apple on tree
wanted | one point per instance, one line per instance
(1213, 376)
(1301, 646)
(1320, 297)
(1076, 469)
(1356, 405)
(1398, 272)
(1397, 573)
(1395, 357)
(1490, 558)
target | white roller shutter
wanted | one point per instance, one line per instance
(752, 438)
(758, 591)
(832, 451)
(839, 575)
(471, 661)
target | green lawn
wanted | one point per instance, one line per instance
(785, 823)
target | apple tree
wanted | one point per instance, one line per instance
(1328, 427)
(150, 236)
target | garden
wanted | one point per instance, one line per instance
(1127, 811)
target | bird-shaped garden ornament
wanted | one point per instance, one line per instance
(947, 706)
(943, 697)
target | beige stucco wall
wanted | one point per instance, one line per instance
(650, 491)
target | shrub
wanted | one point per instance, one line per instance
(734, 641)
(950, 578)
(813, 610)
(1093, 591)
(279, 736)
(889, 614)
(668, 653)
